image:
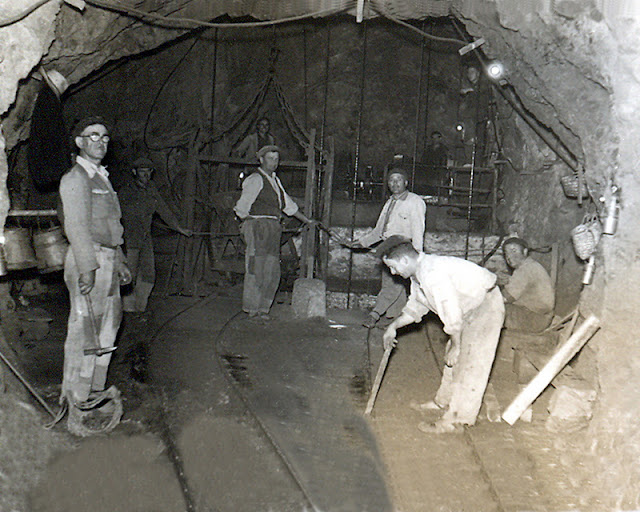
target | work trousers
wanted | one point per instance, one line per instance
(392, 296)
(142, 264)
(463, 385)
(522, 319)
(261, 264)
(85, 373)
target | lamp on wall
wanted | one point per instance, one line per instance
(496, 72)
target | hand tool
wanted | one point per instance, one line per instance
(95, 349)
(378, 381)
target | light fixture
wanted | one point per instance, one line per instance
(495, 71)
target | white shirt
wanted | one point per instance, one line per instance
(450, 287)
(407, 218)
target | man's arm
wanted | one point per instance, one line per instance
(251, 187)
(166, 214)
(418, 216)
(375, 235)
(75, 194)
(389, 336)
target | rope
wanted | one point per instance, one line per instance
(187, 23)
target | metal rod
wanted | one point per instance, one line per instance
(213, 82)
(32, 213)
(426, 108)
(357, 157)
(27, 385)
(418, 105)
(469, 204)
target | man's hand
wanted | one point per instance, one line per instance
(124, 274)
(352, 244)
(389, 337)
(86, 282)
(452, 352)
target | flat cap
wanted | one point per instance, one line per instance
(88, 121)
(267, 149)
(390, 243)
(143, 162)
(399, 170)
(515, 240)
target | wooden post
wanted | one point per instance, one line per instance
(327, 201)
(309, 195)
(559, 360)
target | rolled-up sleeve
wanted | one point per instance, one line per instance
(448, 306)
(75, 193)
(418, 216)
(414, 308)
(290, 207)
(251, 187)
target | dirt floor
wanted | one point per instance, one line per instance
(223, 413)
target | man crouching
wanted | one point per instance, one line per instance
(465, 297)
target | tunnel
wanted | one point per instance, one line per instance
(504, 121)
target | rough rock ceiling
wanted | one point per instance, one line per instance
(279, 9)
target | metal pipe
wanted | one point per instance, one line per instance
(213, 82)
(470, 203)
(357, 157)
(426, 108)
(418, 105)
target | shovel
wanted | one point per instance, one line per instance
(96, 350)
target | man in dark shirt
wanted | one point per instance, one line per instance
(140, 200)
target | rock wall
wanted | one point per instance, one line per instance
(575, 66)
(174, 83)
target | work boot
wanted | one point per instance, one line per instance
(371, 321)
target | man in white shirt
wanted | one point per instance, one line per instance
(467, 300)
(403, 214)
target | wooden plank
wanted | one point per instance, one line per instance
(241, 162)
(559, 360)
(327, 200)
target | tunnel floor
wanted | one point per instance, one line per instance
(269, 417)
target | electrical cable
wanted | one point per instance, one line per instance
(23, 14)
(186, 23)
(416, 29)
(157, 96)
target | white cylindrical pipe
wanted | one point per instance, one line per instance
(612, 217)
(588, 270)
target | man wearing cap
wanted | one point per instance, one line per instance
(260, 209)
(465, 297)
(529, 294)
(140, 200)
(94, 266)
(403, 214)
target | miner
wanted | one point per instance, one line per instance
(403, 214)
(260, 208)
(529, 294)
(94, 267)
(470, 305)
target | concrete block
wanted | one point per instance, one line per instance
(309, 298)
(570, 408)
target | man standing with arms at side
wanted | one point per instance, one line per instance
(94, 266)
(465, 297)
(260, 208)
(403, 214)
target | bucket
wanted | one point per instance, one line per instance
(18, 250)
(51, 248)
